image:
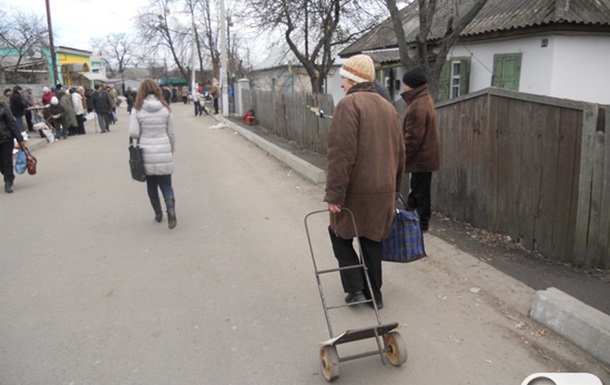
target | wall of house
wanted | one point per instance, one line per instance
(580, 70)
(535, 66)
(571, 67)
(278, 80)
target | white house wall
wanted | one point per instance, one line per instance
(571, 67)
(581, 68)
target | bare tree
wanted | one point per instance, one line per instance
(210, 36)
(117, 51)
(431, 52)
(313, 29)
(160, 30)
(21, 35)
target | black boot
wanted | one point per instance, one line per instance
(8, 187)
(170, 203)
(158, 210)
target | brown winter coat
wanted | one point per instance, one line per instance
(421, 132)
(365, 163)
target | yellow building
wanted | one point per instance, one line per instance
(76, 69)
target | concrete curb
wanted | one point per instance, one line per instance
(584, 326)
(307, 170)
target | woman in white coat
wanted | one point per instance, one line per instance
(152, 123)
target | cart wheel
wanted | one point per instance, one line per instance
(396, 349)
(330, 362)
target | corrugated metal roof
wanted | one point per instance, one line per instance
(495, 16)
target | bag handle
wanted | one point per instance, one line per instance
(137, 141)
(402, 200)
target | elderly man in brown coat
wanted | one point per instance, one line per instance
(366, 157)
(421, 142)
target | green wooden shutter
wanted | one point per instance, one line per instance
(443, 83)
(507, 71)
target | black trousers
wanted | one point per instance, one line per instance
(419, 197)
(6, 160)
(353, 279)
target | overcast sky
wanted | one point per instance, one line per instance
(75, 22)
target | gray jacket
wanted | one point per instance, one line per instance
(154, 125)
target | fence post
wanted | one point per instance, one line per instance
(587, 160)
(242, 84)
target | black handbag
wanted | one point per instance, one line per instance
(405, 242)
(136, 161)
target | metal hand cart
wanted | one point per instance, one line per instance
(390, 344)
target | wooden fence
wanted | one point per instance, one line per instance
(531, 167)
(288, 116)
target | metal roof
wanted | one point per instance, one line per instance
(495, 16)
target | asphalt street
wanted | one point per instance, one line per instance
(94, 291)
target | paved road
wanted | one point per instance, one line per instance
(93, 291)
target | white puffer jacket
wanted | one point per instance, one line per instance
(155, 127)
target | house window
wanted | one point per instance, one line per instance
(507, 71)
(455, 78)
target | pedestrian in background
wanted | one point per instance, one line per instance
(215, 92)
(152, 124)
(68, 119)
(88, 98)
(131, 97)
(102, 107)
(18, 106)
(197, 103)
(79, 109)
(421, 143)
(47, 94)
(9, 132)
(113, 97)
(366, 157)
(29, 99)
(7, 97)
(54, 115)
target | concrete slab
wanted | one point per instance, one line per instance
(586, 327)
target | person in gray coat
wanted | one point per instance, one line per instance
(152, 124)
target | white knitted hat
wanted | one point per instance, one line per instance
(359, 68)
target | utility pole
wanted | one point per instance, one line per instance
(223, 59)
(193, 46)
(51, 44)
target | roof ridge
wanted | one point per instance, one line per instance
(562, 7)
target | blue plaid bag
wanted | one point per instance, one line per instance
(405, 242)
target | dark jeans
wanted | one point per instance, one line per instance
(216, 105)
(353, 279)
(6, 160)
(154, 183)
(419, 197)
(81, 124)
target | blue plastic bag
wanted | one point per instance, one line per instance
(21, 163)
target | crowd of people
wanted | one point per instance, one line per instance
(62, 109)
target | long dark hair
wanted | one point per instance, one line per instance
(149, 87)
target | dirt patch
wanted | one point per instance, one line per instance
(591, 286)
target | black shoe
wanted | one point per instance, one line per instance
(379, 305)
(355, 297)
(8, 187)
